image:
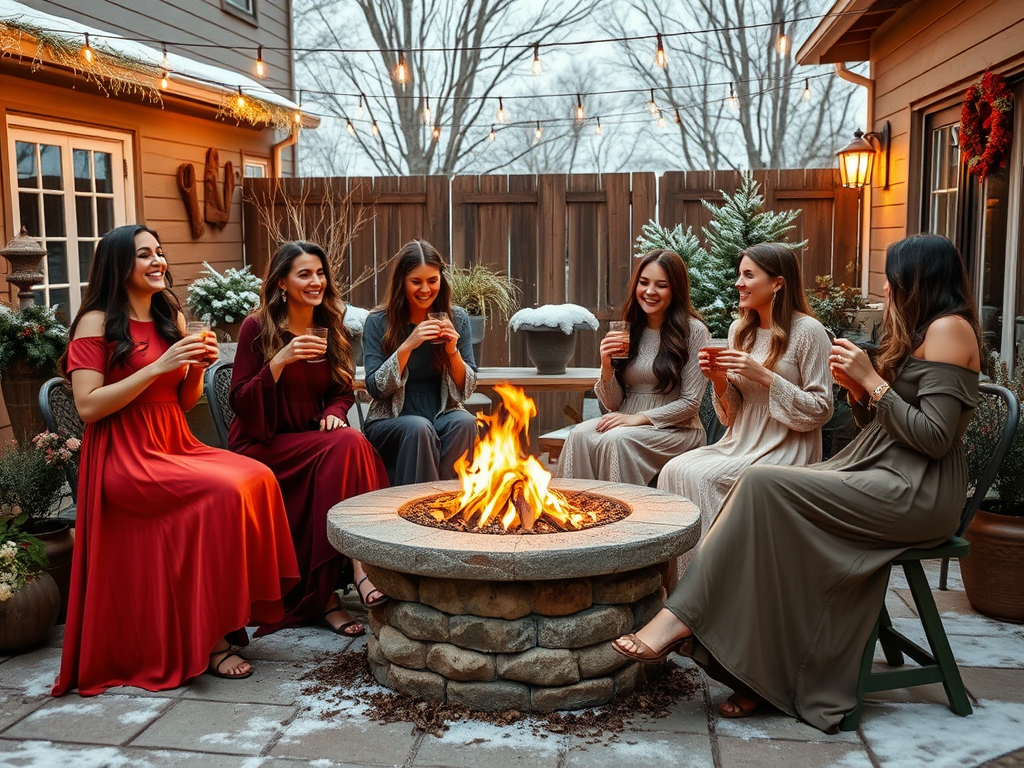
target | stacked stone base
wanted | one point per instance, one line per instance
(534, 646)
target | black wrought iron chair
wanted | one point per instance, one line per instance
(938, 664)
(709, 417)
(217, 387)
(57, 403)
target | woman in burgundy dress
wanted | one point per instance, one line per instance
(291, 392)
(178, 545)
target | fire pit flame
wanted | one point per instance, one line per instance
(504, 483)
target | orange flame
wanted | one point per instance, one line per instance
(505, 483)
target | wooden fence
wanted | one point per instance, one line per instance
(565, 238)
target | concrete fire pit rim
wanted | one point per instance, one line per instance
(661, 526)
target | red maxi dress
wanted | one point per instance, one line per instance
(177, 544)
(278, 423)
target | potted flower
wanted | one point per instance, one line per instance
(31, 342)
(226, 298)
(993, 573)
(550, 337)
(29, 598)
(484, 294)
(355, 319)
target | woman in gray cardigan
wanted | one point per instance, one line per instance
(419, 371)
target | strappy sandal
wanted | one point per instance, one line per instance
(370, 603)
(343, 629)
(214, 669)
(682, 646)
(733, 708)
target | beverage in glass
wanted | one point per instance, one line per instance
(320, 333)
(440, 317)
(713, 347)
(202, 329)
(620, 327)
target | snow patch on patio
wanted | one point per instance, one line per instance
(68, 708)
(143, 710)
(480, 735)
(254, 729)
(975, 640)
(45, 754)
(930, 736)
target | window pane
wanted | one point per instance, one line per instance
(49, 160)
(85, 252)
(83, 215)
(53, 215)
(953, 156)
(83, 179)
(28, 203)
(59, 298)
(104, 183)
(27, 176)
(255, 170)
(56, 262)
(993, 248)
(104, 214)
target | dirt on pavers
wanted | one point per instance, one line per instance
(342, 677)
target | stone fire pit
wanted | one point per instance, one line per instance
(523, 621)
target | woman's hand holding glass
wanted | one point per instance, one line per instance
(613, 345)
(191, 350)
(735, 362)
(304, 347)
(852, 369)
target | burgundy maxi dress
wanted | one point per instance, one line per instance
(278, 423)
(176, 545)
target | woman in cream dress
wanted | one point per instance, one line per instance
(772, 385)
(654, 395)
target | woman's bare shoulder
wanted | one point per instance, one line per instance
(90, 324)
(951, 339)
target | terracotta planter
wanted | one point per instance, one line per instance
(28, 616)
(993, 573)
(21, 384)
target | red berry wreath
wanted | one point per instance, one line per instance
(986, 125)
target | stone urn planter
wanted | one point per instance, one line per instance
(551, 333)
(28, 616)
(20, 384)
(993, 573)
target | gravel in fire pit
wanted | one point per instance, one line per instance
(427, 509)
(345, 676)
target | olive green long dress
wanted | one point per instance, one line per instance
(788, 581)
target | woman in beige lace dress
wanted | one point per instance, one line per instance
(773, 387)
(654, 395)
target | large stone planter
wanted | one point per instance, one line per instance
(20, 385)
(59, 543)
(993, 573)
(476, 335)
(28, 616)
(549, 349)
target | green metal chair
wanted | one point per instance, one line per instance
(937, 665)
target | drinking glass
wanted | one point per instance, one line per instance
(440, 317)
(713, 347)
(202, 329)
(620, 327)
(320, 333)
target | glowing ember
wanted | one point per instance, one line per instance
(502, 481)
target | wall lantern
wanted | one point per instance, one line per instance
(856, 158)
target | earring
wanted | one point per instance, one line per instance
(284, 298)
(773, 297)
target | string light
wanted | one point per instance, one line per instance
(661, 121)
(401, 70)
(426, 111)
(732, 102)
(807, 90)
(165, 62)
(349, 127)
(598, 129)
(679, 120)
(165, 82)
(436, 133)
(782, 44)
(374, 129)
(537, 134)
(537, 68)
(501, 115)
(659, 54)
(260, 67)
(240, 101)
(87, 52)
(493, 134)
(652, 107)
(359, 109)
(297, 117)
(578, 112)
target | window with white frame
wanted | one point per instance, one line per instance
(69, 189)
(256, 168)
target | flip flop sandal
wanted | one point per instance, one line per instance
(342, 629)
(214, 669)
(370, 603)
(732, 708)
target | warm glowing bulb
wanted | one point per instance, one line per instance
(401, 70)
(732, 101)
(678, 119)
(240, 101)
(660, 58)
(164, 81)
(436, 133)
(501, 115)
(537, 68)
(493, 134)
(782, 44)
(350, 128)
(661, 121)
(260, 68)
(579, 113)
(426, 113)
(297, 117)
(537, 134)
(807, 90)
(598, 129)
(374, 129)
(87, 52)
(652, 107)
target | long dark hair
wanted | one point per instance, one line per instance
(107, 292)
(927, 280)
(272, 314)
(395, 307)
(673, 352)
(778, 261)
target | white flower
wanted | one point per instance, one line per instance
(5, 592)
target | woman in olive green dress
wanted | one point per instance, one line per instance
(785, 588)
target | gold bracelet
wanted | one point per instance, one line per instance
(879, 392)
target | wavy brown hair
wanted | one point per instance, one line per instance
(673, 351)
(272, 313)
(778, 261)
(395, 307)
(927, 280)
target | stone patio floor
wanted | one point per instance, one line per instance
(268, 721)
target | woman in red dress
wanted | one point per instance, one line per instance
(291, 392)
(178, 545)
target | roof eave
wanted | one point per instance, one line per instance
(821, 46)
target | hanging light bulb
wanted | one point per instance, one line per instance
(374, 129)
(359, 109)
(493, 134)
(537, 134)
(659, 55)
(165, 62)
(297, 117)
(87, 52)
(598, 129)
(579, 113)
(661, 120)
(537, 68)
(436, 133)
(501, 115)
(401, 70)
(679, 120)
(652, 107)
(426, 111)
(260, 67)
(240, 100)
(165, 81)
(732, 102)
(807, 90)
(782, 43)
(349, 127)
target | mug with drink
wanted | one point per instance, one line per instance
(620, 327)
(712, 347)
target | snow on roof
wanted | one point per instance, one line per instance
(206, 76)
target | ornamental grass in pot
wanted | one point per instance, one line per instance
(484, 294)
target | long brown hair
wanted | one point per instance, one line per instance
(927, 280)
(673, 351)
(272, 314)
(395, 307)
(778, 261)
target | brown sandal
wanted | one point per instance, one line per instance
(733, 708)
(680, 645)
(369, 601)
(214, 669)
(343, 629)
